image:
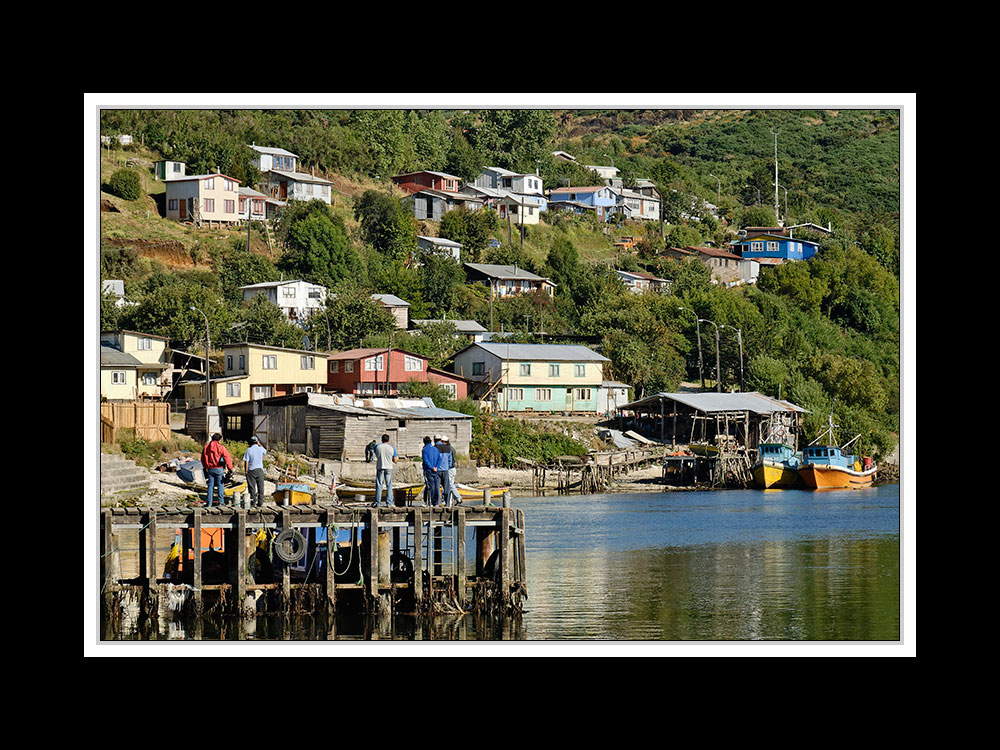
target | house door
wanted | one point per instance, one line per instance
(260, 428)
(182, 204)
(429, 209)
(283, 190)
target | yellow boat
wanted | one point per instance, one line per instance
(778, 466)
(468, 492)
(296, 493)
(402, 493)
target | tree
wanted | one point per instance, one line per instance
(261, 322)
(385, 224)
(439, 275)
(348, 318)
(515, 139)
(125, 184)
(238, 268)
(317, 247)
(462, 160)
(472, 229)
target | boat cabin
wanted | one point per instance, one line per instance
(829, 455)
(778, 452)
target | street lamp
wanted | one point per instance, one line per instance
(208, 364)
(718, 370)
(739, 339)
(701, 365)
(719, 199)
(758, 192)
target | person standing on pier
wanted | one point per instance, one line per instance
(454, 496)
(445, 463)
(432, 482)
(253, 467)
(385, 457)
(215, 459)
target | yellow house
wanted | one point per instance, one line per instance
(225, 391)
(274, 371)
(152, 376)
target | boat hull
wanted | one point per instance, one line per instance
(775, 476)
(467, 492)
(400, 494)
(819, 477)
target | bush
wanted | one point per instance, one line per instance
(125, 184)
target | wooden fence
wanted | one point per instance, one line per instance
(149, 419)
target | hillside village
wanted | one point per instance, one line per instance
(512, 353)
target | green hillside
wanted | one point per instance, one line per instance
(820, 332)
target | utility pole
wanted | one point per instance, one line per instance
(697, 328)
(718, 369)
(208, 365)
(777, 217)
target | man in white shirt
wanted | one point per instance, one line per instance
(253, 467)
(385, 457)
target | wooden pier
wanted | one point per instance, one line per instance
(417, 564)
(591, 474)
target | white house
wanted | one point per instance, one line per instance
(640, 281)
(203, 197)
(642, 206)
(166, 169)
(269, 158)
(440, 245)
(296, 299)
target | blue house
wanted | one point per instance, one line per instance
(601, 197)
(775, 246)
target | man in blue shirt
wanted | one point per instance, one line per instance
(253, 467)
(432, 482)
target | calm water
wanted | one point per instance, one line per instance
(741, 565)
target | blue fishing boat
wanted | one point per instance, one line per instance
(831, 467)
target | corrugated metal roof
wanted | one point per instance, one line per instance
(390, 299)
(273, 151)
(116, 357)
(538, 352)
(504, 272)
(301, 177)
(470, 326)
(719, 402)
(410, 408)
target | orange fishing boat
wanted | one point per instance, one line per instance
(829, 467)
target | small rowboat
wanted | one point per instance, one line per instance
(402, 493)
(468, 492)
(295, 493)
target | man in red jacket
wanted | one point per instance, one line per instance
(215, 459)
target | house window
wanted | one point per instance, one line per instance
(149, 378)
(307, 362)
(230, 185)
(414, 364)
(230, 207)
(478, 368)
(261, 391)
(243, 362)
(580, 370)
(553, 371)
(583, 394)
(233, 390)
(525, 369)
(349, 366)
(210, 183)
(118, 377)
(373, 364)
(288, 291)
(334, 366)
(234, 423)
(303, 389)
(315, 293)
(145, 344)
(515, 394)
(209, 205)
(177, 167)
(543, 394)
(269, 362)
(243, 205)
(258, 206)
(756, 247)
(450, 388)
(772, 247)
(172, 204)
(229, 362)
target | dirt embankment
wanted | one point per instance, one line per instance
(170, 252)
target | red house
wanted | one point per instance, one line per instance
(414, 182)
(363, 373)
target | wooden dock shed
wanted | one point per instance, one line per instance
(338, 427)
(685, 418)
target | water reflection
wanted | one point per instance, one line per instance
(682, 566)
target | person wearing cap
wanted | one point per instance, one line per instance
(253, 467)
(214, 460)
(385, 457)
(454, 496)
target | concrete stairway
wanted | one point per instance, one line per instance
(119, 474)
